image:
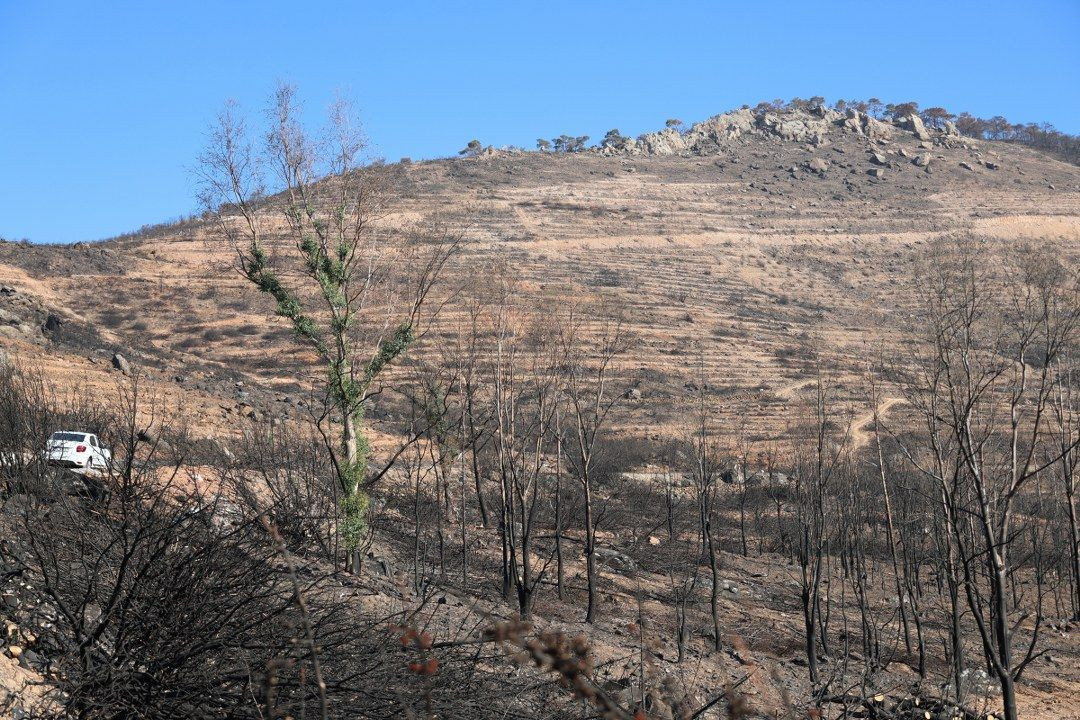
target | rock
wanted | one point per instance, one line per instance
(15, 651)
(990, 165)
(632, 394)
(922, 160)
(876, 130)
(30, 660)
(614, 559)
(966, 166)
(707, 136)
(381, 565)
(951, 129)
(734, 475)
(8, 290)
(876, 173)
(665, 142)
(879, 159)
(914, 123)
(817, 165)
(653, 540)
(797, 126)
(120, 363)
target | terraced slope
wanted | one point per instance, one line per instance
(746, 261)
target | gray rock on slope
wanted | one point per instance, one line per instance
(914, 123)
(797, 126)
(863, 124)
(702, 138)
(120, 363)
(665, 142)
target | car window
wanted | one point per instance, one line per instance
(93, 440)
(68, 437)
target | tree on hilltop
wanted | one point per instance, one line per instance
(569, 143)
(474, 148)
(614, 139)
(936, 117)
(902, 110)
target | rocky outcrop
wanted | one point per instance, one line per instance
(665, 142)
(720, 129)
(811, 126)
(863, 124)
(797, 126)
(704, 138)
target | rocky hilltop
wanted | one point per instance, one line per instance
(814, 127)
(745, 255)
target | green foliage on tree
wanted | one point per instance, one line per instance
(329, 202)
(614, 140)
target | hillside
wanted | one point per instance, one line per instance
(745, 257)
(739, 251)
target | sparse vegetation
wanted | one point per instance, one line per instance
(834, 476)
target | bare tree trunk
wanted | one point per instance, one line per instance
(714, 598)
(590, 553)
(560, 570)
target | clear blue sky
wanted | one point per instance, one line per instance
(104, 105)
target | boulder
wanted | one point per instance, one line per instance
(632, 394)
(879, 159)
(951, 129)
(120, 363)
(914, 123)
(615, 560)
(990, 165)
(797, 126)
(665, 142)
(922, 160)
(817, 165)
(966, 166)
(853, 121)
(876, 173)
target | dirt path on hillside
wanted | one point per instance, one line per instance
(859, 432)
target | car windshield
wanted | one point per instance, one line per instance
(68, 437)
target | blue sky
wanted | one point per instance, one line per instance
(104, 105)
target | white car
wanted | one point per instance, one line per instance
(77, 450)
